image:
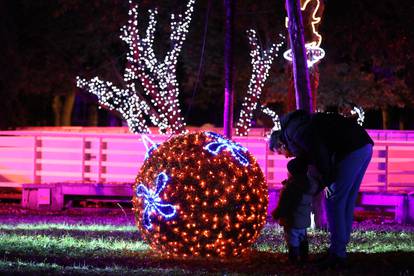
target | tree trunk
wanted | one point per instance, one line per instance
(291, 101)
(401, 121)
(229, 6)
(385, 112)
(303, 91)
(67, 109)
(299, 60)
(92, 115)
(314, 78)
(314, 82)
(318, 203)
(57, 106)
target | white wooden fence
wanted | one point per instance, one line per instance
(86, 157)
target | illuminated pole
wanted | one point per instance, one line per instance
(229, 6)
(303, 92)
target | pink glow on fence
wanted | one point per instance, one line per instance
(92, 155)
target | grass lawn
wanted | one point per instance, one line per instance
(107, 243)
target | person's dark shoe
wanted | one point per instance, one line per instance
(332, 262)
(293, 254)
(304, 251)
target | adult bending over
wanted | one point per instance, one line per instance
(341, 150)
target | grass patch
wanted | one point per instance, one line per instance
(101, 249)
(67, 246)
(41, 268)
(68, 227)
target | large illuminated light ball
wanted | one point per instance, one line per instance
(200, 194)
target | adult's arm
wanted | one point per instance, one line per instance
(317, 153)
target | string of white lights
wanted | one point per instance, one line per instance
(158, 78)
(123, 100)
(274, 116)
(261, 61)
(361, 114)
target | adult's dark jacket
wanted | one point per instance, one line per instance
(324, 138)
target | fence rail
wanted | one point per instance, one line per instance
(84, 157)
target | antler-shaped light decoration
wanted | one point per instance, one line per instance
(152, 200)
(220, 143)
(158, 77)
(261, 59)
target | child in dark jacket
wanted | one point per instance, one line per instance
(294, 207)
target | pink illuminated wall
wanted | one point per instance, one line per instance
(40, 156)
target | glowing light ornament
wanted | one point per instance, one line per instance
(150, 146)
(261, 62)
(220, 202)
(157, 78)
(314, 52)
(361, 114)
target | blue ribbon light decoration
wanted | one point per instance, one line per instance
(150, 150)
(152, 200)
(220, 144)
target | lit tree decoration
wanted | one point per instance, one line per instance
(157, 78)
(361, 114)
(126, 101)
(220, 203)
(261, 62)
(359, 111)
(274, 116)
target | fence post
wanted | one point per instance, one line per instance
(386, 166)
(34, 173)
(83, 159)
(99, 157)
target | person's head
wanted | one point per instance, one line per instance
(278, 144)
(297, 166)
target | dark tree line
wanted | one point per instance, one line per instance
(46, 44)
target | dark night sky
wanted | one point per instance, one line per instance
(47, 43)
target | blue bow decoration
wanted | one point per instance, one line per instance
(150, 150)
(220, 144)
(152, 200)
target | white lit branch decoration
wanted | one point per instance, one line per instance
(125, 101)
(261, 62)
(158, 78)
(361, 114)
(274, 116)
